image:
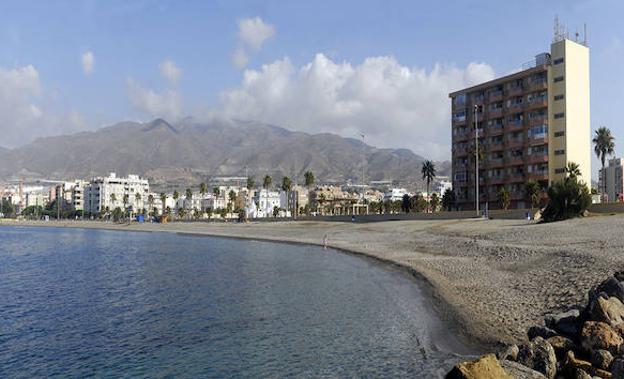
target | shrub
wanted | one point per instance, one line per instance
(567, 199)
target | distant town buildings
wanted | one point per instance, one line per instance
(107, 193)
(530, 125)
(612, 180)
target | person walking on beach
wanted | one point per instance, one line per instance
(325, 241)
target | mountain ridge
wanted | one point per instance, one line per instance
(191, 151)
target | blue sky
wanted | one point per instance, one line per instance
(333, 39)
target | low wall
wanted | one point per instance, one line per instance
(607, 208)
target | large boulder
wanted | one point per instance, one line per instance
(617, 368)
(561, 345)
(540, 356)
(609, 310)
(540, 331)
(567, 323)
(510, 353)
(597, 335)
(519, 371)
(601, 359)
(486, 367)
(611, 287)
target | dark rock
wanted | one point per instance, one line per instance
(619, 275)
(581, 374)
(540, 356)
(601, 359)
(611, 287)
(617, 368)
(567, 323)
(597, 335)
(540, 331)
(519, 371)
(561, 345)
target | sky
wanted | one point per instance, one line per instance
(379, 68)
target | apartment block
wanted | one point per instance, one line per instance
(108, 193)
(529, 125)
(612, 180)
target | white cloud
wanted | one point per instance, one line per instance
(240, 58)
(393, 105)
(252, 33)
(22, 117)
(170, 71)
(88, 61)
(166, 104)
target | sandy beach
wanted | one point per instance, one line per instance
(491, 279)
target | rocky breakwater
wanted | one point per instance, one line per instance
(582, 342)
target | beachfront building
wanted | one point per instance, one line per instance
(530, 125)
(107, 193)
(441, 185)
(612, 180)
(265, 202)
(395, 194)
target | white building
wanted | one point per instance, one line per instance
(440, 186)
(395, 194)
(265, 201)
(108, 193)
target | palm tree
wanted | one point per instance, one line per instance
(189, 197)
(533, 190)
(126, 199)
(150, 202)
(113, 199)
(163, 200)
(137, 198)
(428, 173)
(435, 201)
(267, 181)
(309, 178)
(573, 170)
(503, 198)
(176, 196)
(603, 146)
(287, 187)
(251, 183)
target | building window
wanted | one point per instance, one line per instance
(559, 97)
(559, 170)
(559, 115)
(558, 61)
(559, 152)
(558, 79)
(559, 134)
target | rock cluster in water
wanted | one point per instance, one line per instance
(583, 342)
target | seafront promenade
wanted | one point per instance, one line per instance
(490, 279)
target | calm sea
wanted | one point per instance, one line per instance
(91, 303)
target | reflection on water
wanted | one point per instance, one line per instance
(75, 303)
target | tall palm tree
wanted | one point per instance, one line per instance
(163, 200)
(113, 199)
(176, 196)
(126, 199)
(603, 146)
(251, 182)
(267, 181)
(287, 187)
(428, 173)
(137, 198)
(189, 197)
(573, 170)
(309, 178)
(533, 190)
(150, 202)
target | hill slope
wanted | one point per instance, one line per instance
(192, 151)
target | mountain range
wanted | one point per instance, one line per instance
(190, 152)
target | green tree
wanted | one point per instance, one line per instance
(137, 198)
(603, 145)
(126, 199)
(267, 182)
(503, 198)
(189, 198)
(533, 190)
(150, 202)
(163, 201)
(286, 184)
(434, 201)
(309, 178)
(448, 199)
(405, 203)
(202, 189)
(428, 173)
(567, 198)
(251, 183)
(181, 212)
(216, 191)
(573, 170)
(113, 198)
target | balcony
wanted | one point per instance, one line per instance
(514, 143)
(515, 107)
(495, 113)
(495, 130)
(537, 103)
(535, 121)
(496, 180)
(516, 178)
(461, 137)
(537, 158)
(538, 84)
(516, 90)
(496, 147)
(514, 125)
(537, 176)
(540, 139)
(495, 96)
(496, 163)
(515, 161)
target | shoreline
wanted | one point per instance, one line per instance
(454, 320)
(488, 280)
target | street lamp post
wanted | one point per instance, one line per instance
(476, 107)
